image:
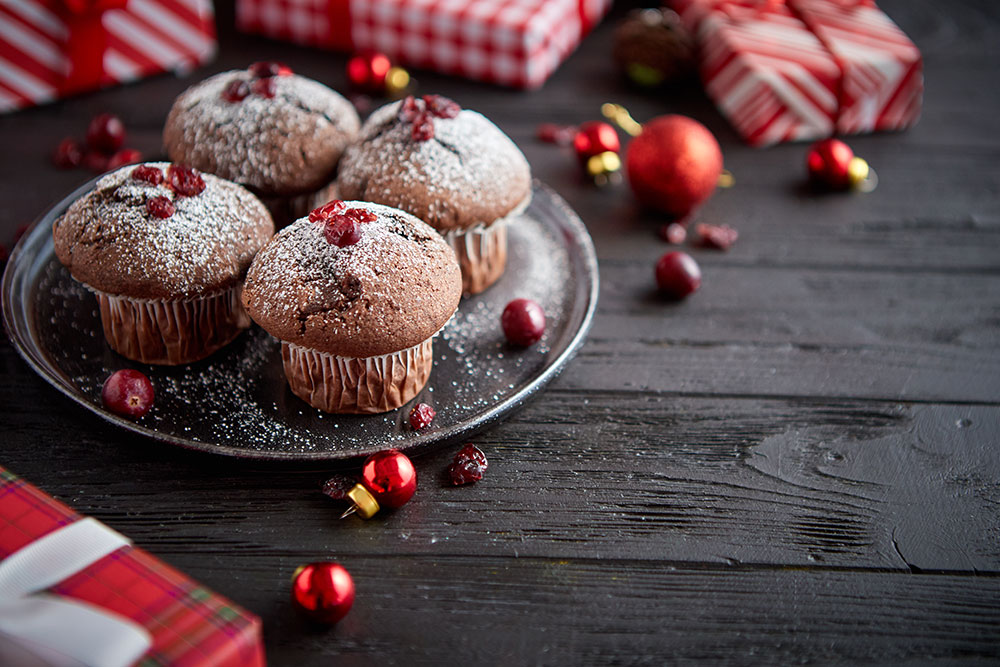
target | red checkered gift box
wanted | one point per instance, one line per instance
(53, 48)
(182, 622)
(511, 42)
(785, 70)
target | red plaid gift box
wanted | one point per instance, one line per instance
(511, 42)
(53, 48)
(804, 69)
(189, 624)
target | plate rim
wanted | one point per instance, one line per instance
(18, 258)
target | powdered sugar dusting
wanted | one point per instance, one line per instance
(286, 144)
(113, 243)
(469, 173)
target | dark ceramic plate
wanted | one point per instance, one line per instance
(237, 403)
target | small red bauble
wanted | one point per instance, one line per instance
(674, 164)
(368, 70)
(829, 161)
(390, 477)
(323, 591)
(677, 274)
(128, 393)
(595, 137)
(106, 133)
(523, 322)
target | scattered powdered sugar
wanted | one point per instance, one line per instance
(470, 167)
(206, 244)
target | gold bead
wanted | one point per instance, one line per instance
(363, 500)
(396, 80)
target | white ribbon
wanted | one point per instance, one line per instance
(77, 632)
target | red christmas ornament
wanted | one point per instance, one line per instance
(832, 163)
(373, 72)
(674, 164)
(595, 137)
(323, 591)
(388, 479)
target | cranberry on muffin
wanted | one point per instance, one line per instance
(356, 293)
(450, 167)
(273, 131)
(165, 249)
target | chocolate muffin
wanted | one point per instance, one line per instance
(165, 249)
(275, 132)
(450, 167)
(355, 293)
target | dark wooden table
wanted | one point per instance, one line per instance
(800, 463)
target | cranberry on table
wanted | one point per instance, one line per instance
(673, 233)
(523, 322)
(421, 416)
(95, 161)
(677, 274)
(106, 133)
(468, 466)
(68, 154)
(323, 591)
(720, 237)
(128, 393)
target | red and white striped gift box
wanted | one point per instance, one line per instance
(53, 48)
(805, 69)
(516, 43)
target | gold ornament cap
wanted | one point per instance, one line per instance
(364, 502)
(603, 163)
(860, 175)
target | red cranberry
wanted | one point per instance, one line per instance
(236, 91)
(337, 487)
(160, 207)
(409, 109)
(677, 274)
(560, 135)
(148, 174)
(423, 127)
(342, 231)
(184, 180)
(267, 68)
(523, 322)
(265, 87)
(123, 157)
(68, 154)
(440, 106)
(128, 393)
(362, 215)
(326, 211)
(95, 161)
(106, 133)
(674, 233)
(421, 416)
(716, 236)
(468, 466)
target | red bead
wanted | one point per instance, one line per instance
(828, 162)
(237, 91)
(421, 416)
(674, 164)
(595, 137)
(123, 157)
(160, 207)
(523, 322)
(184, 180)
(68, 154)
(323, 591)
(390, 477)
(106, 133)
(368, 70)
(128, 393)
(147, 174)
(677, 274)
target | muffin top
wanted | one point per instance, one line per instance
(161, 231)
(450, 167)
(278, 133)
(354, 279)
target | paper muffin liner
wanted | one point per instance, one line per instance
(357, 384)
(172, 331)
(482, 250)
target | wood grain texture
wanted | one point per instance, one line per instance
(799, 464)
